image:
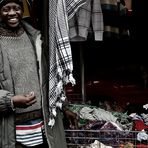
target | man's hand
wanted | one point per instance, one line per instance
(23, 101)
(72, 117)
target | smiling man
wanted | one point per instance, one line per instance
(24, 111)
(11, 13)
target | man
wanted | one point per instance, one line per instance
(24, 109)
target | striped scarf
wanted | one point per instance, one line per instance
(60, 56)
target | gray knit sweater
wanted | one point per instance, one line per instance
(23, 65)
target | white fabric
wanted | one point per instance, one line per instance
(96, 114)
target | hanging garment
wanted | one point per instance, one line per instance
(88, 15)
(60, 57)
(72, 7)
(114, 16)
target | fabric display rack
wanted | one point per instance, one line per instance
(99, 128)
(103, 139)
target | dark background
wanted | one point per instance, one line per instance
(121, 62)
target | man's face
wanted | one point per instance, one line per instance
(11, 14)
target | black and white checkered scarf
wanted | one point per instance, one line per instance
(60, 56)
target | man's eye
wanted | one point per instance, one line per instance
(5, 10)
(17, 8)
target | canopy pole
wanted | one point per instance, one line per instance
(82, 68)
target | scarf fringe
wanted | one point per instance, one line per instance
(69, 79)
(60, 95)
(51, 122)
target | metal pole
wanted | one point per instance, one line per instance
(82, 74)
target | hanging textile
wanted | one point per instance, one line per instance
(114, 16)
(89, 18)
(60, 56)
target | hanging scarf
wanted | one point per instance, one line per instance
(60, 56)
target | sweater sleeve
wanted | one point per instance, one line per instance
(5, 101)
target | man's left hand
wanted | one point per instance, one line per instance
(72, 117)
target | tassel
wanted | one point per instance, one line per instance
(59, 87)
(72, 80)
(59, 104)
(51, 122)
(54, 112)
(63, 98)
(69, 79)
